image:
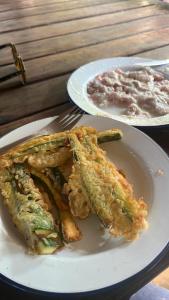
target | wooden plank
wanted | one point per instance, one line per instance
(71, 26)
(86, 38)
(47, 31)
(37, 116)
(48, 93)
(57, 6)
(28, 3)
(36, 2)
(60, 16)
(157, 53)
(18, 102)
(20, 4)
(11, 5)
(160, 136)
(61, 63)
(162, 279)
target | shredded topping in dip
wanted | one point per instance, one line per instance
(142, 93)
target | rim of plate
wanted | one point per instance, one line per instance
(104, 259)
(77, 82)
(100, 291)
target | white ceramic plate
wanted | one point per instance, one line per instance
(77, 89)
(98, 261)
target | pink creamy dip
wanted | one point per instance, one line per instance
(138, 93)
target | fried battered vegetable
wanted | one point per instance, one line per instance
(109, 135)
(40, 144)
(69, 229)
(78, 199)
(55, 193)
(28, 210)
(56, 177)
(109, 193)
(42, 150)
(44, 160)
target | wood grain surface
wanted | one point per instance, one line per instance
(57, 37)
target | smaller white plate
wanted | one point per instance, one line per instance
(77, 89)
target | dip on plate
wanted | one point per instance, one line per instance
(143, 93)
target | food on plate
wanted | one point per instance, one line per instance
(96, 185)
(50, 180)
(29, 211)
(51, 150)
(69, 230)
(143, 92)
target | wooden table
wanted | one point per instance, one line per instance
(54, 38)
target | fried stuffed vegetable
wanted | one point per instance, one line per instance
(28, 210)
(69, 229)
(105, 190)
(53, 150)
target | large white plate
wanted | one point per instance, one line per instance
(77, 89)
(97, 261)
